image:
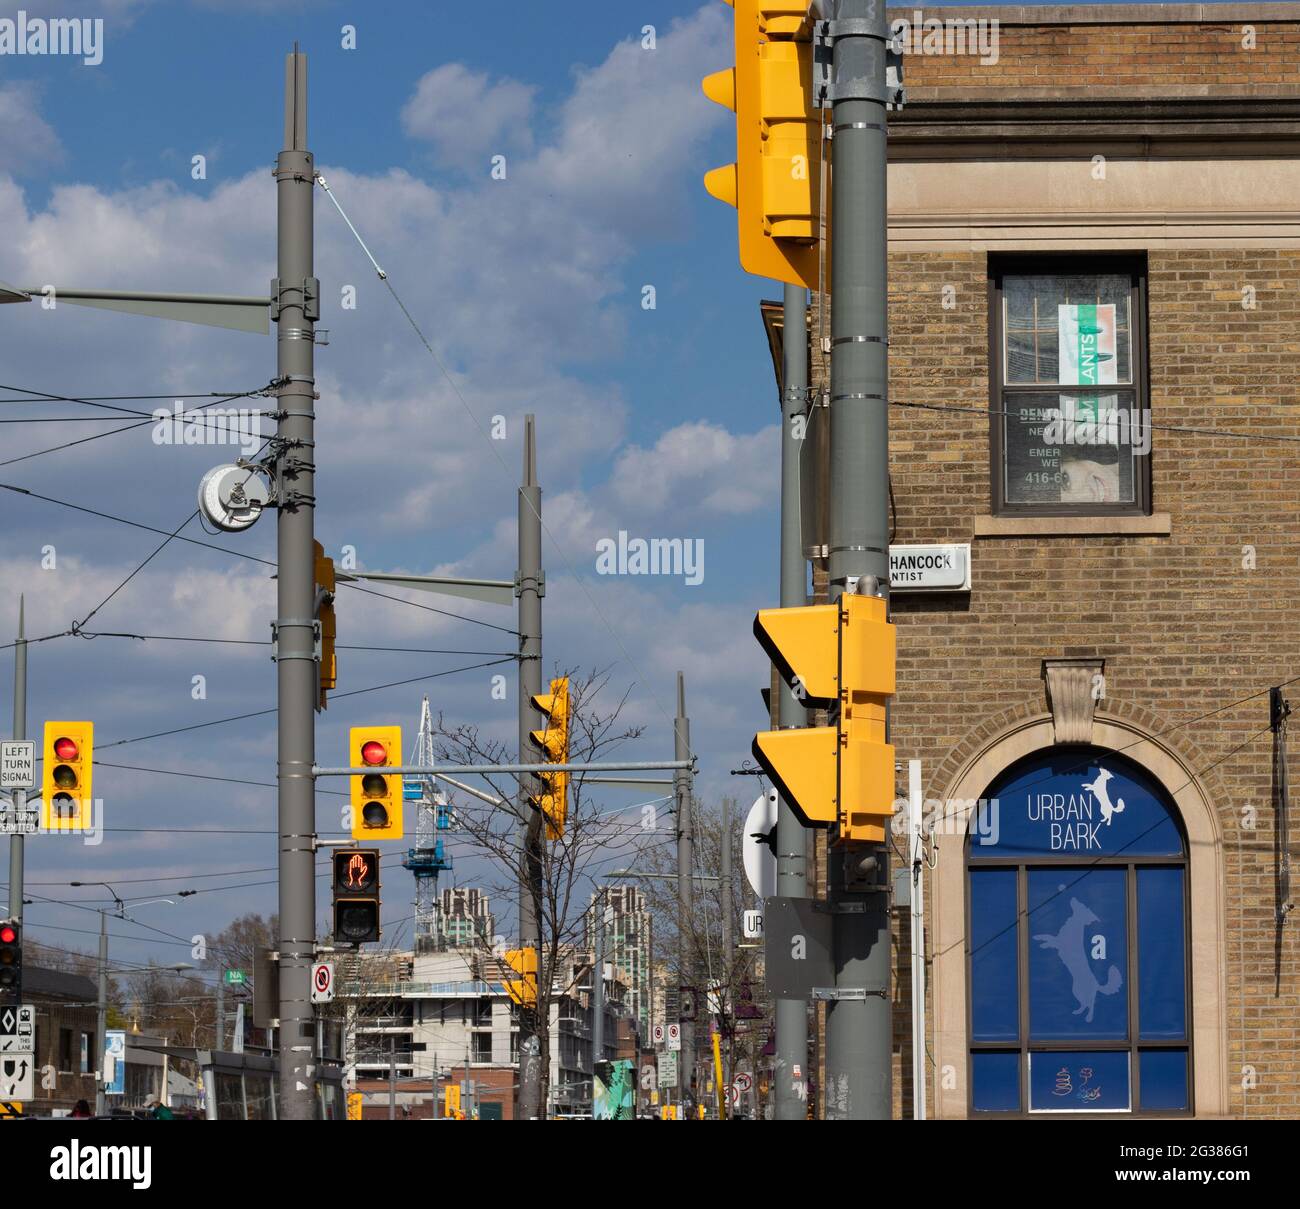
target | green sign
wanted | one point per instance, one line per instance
(235, 977)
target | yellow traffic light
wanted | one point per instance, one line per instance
(839, 775)
(523, 990)
(553, 745)
(325, 589)
(376, 796)
(67, 763)
(775, 182)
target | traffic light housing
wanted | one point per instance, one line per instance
(11, 961)
(328, 668)
(552, 742)
(522, 990)
(840, 654)
(775, 182)
(376, 796)
(66, 773)
(355, 889)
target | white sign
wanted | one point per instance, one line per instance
(674, 1036)
(658, 1034)
(322, 982)
(18, 1030)
(744, 1080)
(758, 845)
(753, 924)
(667, 1063)
(17, 1077)
(944, 568)
(17, 764)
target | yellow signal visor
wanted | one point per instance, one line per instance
(803, 642)
(67, 794)
(867, 791)
(802, 764)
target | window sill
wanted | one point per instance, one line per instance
(1156, 525)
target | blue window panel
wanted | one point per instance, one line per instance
(1162, 986)
(995, 1080)
(1073, 1081)
(1078, 954)
(1164, 1079)
(1089, 803)
(994, 980)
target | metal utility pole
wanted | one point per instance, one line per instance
(598, 990)
(101, 1017)
(858, 1019)
(728, 893)
(221, 1011)
(16, 838)
(295, 305)
(683, 796)
(529, 587)
(791, 1069)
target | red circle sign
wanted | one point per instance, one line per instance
(322, 978)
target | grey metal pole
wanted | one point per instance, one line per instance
(683, 792)
(790, 1072)
(221, 1010)
(392, 1080)
(858, 1019)
(598, 989)
(16, 839)
(728, 891)
(295, 309)
(101, 1016)
(530, 588)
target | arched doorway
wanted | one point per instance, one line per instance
(1184, 850)
(1079, 946)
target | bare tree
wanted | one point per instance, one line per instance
(592, 840)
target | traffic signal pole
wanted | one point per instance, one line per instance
(16, 839)
(529, 587)
(683, 794)
(791, 1068)
(858, 1022)
(295, 306)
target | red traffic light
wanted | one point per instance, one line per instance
(65, 749)
(374, 753)
(8, 934)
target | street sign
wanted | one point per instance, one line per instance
(18, 1077)
(322, 982)
(744, 1080)
(18, 1030)
(941, 568)
(674, 1036)
(658, 1033)
(235, 978)
(797, 947)
(758, 849)
(753, 924)
(115, 1062)
(17, 764)
(668, 1069)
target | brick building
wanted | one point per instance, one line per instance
(1099, 226)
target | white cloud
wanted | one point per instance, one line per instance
(467, 117)
(27, 141)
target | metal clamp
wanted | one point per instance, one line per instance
(276, 657)
(858, 994)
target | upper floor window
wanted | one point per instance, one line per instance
(1069, 411)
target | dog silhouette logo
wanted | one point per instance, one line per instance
(1102, 794)
(1071, 946)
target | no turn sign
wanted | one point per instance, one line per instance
(322, 982)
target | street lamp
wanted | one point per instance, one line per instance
(101, 1012)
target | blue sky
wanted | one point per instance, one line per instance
(660, 422)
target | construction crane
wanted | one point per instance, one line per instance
(429, 857)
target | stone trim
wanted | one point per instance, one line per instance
(1070, 696)
(1158, 524)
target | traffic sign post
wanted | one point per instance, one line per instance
(18, 1030)
(322, 982)
(17, 776)
(674, 1037)
(235, 978)
(18, 1077)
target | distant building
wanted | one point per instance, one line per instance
(65, 1038)
(465, 920)
(628, 947)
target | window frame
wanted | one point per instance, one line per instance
(1134, 1044)
(1064, 264)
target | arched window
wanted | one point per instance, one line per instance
(1078, 946)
